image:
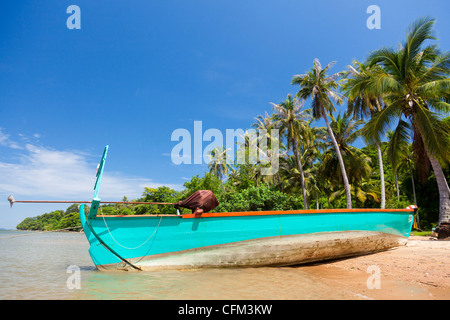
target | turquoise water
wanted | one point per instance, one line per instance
(42, 265)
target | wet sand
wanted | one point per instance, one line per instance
(418, 270)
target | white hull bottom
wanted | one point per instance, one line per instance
(272, 251)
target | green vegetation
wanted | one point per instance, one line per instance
(406, 90)
(54, 220)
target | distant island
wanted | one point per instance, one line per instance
(54, 220)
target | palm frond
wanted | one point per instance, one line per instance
(398, 143)
(298, 78)
(388, 58)
(317, 67)
(377, 126)
(440, 106)
(433, 131)
(335, 76)
(420, 31)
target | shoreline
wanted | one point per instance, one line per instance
(35, 232)
(57, 230)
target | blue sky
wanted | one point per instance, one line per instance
(136, 71)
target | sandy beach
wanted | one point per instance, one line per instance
(417, 270)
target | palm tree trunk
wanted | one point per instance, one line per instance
(341, 161)
(300, 168)
(444, 191)
(380, 164)
(396, 185)
(413, 187)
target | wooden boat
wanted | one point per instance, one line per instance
(238, 239)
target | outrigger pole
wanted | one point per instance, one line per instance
(12, 201)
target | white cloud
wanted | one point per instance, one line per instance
(45, 173)
(7, 142)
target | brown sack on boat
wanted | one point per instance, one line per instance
(203, 199)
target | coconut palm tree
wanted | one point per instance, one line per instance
(397, 149)
(346, 131)
(291, 120)
(414, 80)
(265, 122)
(365, 189)
(315, 184)
(365, 102)
(311, 159)
(218, 164)
(309, 151)
(265, 126)
(289, 175)
(316, 84)
(407, 164)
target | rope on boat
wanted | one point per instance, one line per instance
(30, 234)
(154, 232)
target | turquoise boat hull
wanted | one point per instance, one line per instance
(247, 239)
(237, 239)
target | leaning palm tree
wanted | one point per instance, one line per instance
(413, 80)
(294, 122)
(322, 89)
(363, 102)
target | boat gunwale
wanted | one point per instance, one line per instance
(257, 213)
